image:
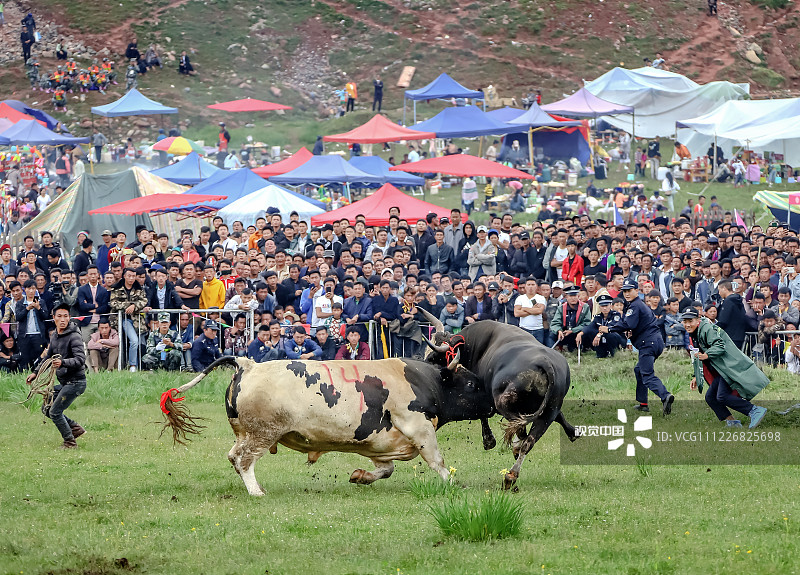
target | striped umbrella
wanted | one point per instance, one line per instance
(178, 146)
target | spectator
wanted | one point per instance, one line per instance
(354, 348)
(31, 314)
(104, 347)
(529, 307)
(163, 348)
(326, 343)
(452, 317)
(482, 257)
(571, 318)
(10, 357)
(205, 349)
(185, 66)
(128, 297)
(235, 338)
(300, 346)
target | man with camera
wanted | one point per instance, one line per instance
(31, 314)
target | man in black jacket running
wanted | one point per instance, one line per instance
(70, 366)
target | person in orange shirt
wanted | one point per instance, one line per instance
(698, 207)
(352, 94)
(682, 152)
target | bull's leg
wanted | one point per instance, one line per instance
(568, 428)
(422, 434)
(537, 430)
(246, 452)
(488, 438)
(383, 469)
(313, 456)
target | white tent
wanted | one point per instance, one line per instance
(254, 205)
(660, 98)
(771, 125)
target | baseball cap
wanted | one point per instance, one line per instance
(558, 284)
(524, 236)
(163, 316)
(483, 229)
(328, 254)
(494, 286)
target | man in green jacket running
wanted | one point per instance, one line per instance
(733, 379)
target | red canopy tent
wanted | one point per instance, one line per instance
(379, 129)
(155, 203)
(248, 105)
(375, 208)
(462, 165)
(15, 116)
(278, 168)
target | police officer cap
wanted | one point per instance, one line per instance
(211, 324)
(629, 284)
(690, 313)
(574, 290)
(163, 316)
(604, 299)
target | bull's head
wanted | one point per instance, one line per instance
(445, 349)
(464, 396)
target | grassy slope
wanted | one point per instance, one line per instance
(127, 494)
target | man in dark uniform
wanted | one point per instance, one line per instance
(598, 334)
(645, 337)
(205, 349)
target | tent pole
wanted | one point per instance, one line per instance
(404, 110)
(415, 112)
(530, 149)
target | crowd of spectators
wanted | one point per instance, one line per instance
(352, 290)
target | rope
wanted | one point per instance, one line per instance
(43, 383)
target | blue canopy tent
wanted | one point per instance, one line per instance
(189, 171)
(377, 166)
(32, 133)
(134, 103)
(327, 171)
(534, 119)
(232, 183)
(33, 112)
(466, 122)
(559, 145)
(442, 87)
(505, 114)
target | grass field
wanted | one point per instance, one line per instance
(128, 502)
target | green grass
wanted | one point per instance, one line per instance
(127, 497)
(493, 515)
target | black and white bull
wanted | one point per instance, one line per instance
(385, 410)
(527, 380)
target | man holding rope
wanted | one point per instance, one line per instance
(65, 355)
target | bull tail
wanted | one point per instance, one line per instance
(518, 424)
(177, 416)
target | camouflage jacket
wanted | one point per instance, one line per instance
(155, 337)
(120, 299)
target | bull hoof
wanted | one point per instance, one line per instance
(575, 437)
(361, 477)
(509, 480)
(273, 449)
(489, 443)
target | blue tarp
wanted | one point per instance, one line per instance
(189, 171)
(505, 114)
(377, 166)
(32, 133)
(324, 170)
(33, 112)
(556, 146)
(464, 122)
(134, 103)
(235, 184)
(442, 87)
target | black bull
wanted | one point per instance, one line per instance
(527, 380)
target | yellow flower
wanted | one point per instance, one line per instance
(194, 529)
(452, 470)
(749, 550)
(217, 524)
(687, 533)
(503, 471)
(262, 531)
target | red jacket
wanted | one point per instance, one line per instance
(573, 272)
(363, 351)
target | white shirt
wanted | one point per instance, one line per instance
(560, 255)
(413, 156)
(324, 303)
(792, 361)
(42, 202)
(530, 322)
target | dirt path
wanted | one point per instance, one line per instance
(710, 51)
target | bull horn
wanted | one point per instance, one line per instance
(440, 348)
(454, 364)
(433, 320)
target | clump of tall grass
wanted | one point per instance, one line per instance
(495, 515)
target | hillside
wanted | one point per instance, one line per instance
(298, 51)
